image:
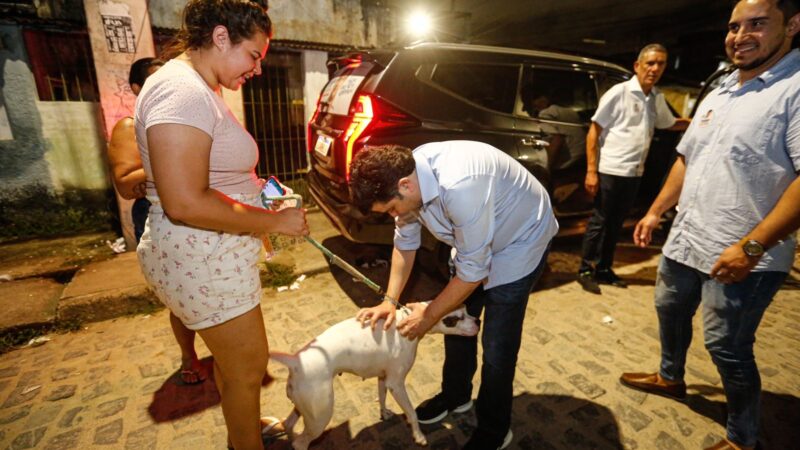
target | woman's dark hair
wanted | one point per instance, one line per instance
(140, 70)
(375, 172)
(242, 18)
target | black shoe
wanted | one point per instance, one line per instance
(587, 281)
(609, 277)
(436, 409)
(480, 442)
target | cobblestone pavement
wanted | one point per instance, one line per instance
(113, 384)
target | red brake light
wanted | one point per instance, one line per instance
(372, 114)
(362, 117)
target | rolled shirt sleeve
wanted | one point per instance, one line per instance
(407, 234)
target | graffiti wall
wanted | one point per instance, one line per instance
(120, 34)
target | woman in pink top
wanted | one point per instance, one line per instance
(201, 245)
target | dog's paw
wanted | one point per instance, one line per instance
(420, 440)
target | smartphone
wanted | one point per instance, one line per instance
(272, 188)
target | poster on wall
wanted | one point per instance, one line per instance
(118, 27)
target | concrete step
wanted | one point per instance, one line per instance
(28, 303)
(105, 290)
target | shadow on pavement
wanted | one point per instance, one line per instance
(174, 400)
(780, 414)
(538, 422)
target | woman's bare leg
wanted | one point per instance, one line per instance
(240, 352)
(185, 339)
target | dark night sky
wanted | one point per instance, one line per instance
(693, 30)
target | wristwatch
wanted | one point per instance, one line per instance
(753, 248)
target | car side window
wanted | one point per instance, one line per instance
(606, 81)
(556, 94)
(491, 86)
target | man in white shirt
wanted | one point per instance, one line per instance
(621, 131)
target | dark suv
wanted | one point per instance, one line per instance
(533, 105)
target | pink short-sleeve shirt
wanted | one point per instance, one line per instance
(177, 94)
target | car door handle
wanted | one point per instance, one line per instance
(533, 142)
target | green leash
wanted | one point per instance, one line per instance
(335, 260)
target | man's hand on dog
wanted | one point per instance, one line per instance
(417, 323)
(372, 315)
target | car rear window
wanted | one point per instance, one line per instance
(490, 86)
(338, 93)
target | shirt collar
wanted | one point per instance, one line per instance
(788, 64)
(428, 185)
(636, 87)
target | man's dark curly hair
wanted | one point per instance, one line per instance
(375, 172)
(140, 70)
(242, 18)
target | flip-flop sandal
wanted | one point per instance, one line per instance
(268, 427)
(268, 432)
(189, 374)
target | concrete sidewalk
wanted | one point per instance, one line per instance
(114, 384)
(48, 288)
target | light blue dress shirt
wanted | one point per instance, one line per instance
(486, 205)
(742, 151)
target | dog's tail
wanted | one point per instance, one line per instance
(287, 359)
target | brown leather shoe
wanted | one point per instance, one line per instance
(726, 445)
(653, 384)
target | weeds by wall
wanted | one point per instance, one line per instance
(40, 212)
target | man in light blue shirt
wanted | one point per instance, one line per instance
(498, 218)
(737, 188)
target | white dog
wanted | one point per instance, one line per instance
(350, 347)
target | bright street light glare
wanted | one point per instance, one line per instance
(419, 23)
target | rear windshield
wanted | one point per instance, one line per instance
(490, 86)
(338, 93)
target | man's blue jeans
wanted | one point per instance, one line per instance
(731, 314)
(502, 333)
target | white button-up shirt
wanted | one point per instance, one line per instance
(628, 118)
(742, 151)
(486, 205)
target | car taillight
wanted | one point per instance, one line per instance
(371, 114)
